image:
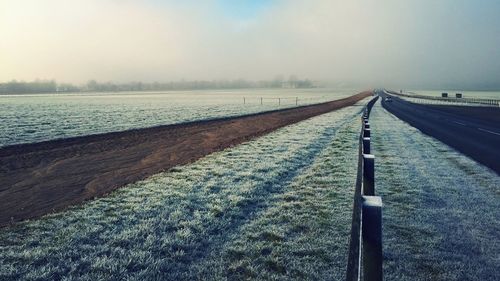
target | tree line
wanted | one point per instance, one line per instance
(51, 86)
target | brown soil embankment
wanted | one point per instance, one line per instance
(40, 178)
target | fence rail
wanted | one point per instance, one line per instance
(448, 100)
(365, 247)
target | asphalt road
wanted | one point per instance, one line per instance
(474, 131)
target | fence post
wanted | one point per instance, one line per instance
(368, 174)
(260, 100)
(372, 238)
(244, 101)
(366, 132)
(366, 145)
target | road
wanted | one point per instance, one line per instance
(474, 131)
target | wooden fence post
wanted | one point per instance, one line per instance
(366, 145)
(372, 238)
(366, 132)
(368, 174)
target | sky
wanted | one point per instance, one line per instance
(418, 44)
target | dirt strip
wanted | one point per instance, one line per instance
(40, 178)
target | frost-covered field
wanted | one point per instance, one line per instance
(33, 118)
(275, 208)
(441, 209)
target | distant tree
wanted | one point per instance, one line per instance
(304, 84)
(66, 87)
(292, 81)
(277, 82)
(92, 85)
(41, 86)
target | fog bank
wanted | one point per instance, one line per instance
(409, 44)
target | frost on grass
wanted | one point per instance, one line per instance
(441, 211)
(304, 232)
(274, 208)
(37, 118)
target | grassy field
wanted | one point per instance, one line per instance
(440, 216)
(276, 208)
(34, 118)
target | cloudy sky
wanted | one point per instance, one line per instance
(378, 43)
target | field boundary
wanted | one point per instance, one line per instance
(365, 247)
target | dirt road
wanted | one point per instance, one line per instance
(40, 178)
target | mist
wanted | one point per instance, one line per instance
(405, 44)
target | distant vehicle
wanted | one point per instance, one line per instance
(388, 99)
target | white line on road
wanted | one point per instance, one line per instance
(460, 123)
(488, 131)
